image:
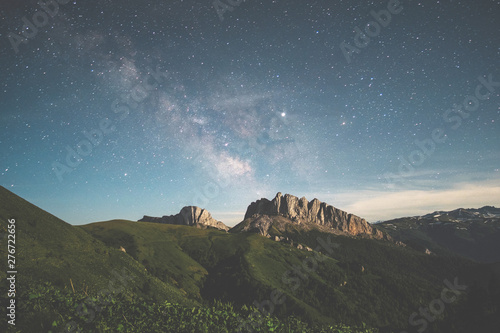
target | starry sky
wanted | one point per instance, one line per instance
(117, 109)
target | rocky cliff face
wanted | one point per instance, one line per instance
(301, 211)
(189, 215)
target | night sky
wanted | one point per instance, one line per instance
(116, 109)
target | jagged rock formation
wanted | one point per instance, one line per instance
(301, 211)
(189, 215)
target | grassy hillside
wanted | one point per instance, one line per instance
(49, 249)
(238, 268)
(124, 276)
(358, 282)
(155, 247)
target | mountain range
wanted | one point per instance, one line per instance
(291, 265)
(470, 233)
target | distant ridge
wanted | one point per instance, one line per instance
(191, 216)
(473, 233)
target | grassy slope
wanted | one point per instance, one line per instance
(395, 282)
(49, 249)
(243, 267)
(239, 268)
(154, 246)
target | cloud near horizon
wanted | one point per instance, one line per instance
(382, 205)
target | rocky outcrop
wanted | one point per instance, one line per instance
(260, 224)
(301, 211)
(191, 216)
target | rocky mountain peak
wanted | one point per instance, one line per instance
(302, 211)
(191, 216)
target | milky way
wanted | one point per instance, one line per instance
(116, 109)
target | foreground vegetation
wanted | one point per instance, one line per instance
(49, 309)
